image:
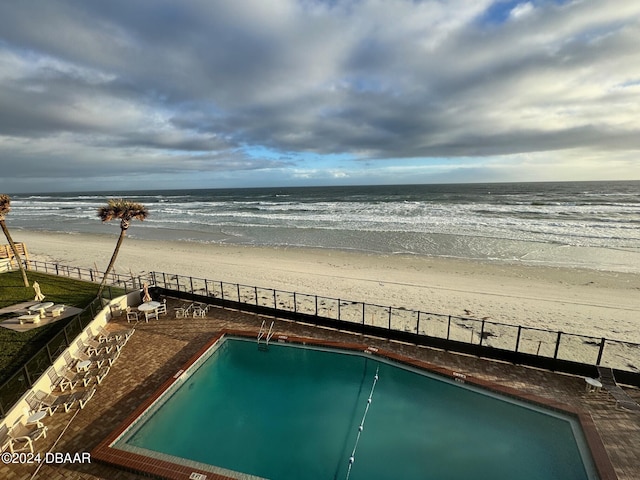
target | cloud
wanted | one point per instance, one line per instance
(96, 87)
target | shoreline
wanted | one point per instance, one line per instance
(582, 301)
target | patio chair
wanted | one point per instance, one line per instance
(162, 309)
(14, 444)
(5, 439)
(131, 315)
(152, 315)
(23, 436)
(184, 311)
(200, 310)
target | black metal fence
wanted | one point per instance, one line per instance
(553, 350)
(128, 282)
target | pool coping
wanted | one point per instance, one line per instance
(133, 462)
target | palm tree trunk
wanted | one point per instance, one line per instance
(112, 262)
(15, 253)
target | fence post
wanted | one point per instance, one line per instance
(481, 333)
(27, 376)
(602, 342)
(518, 338)
(275, 301)
(555, 354)
(363, 314)
(418, 324)
(339, 302)
(255, 292)
(316, 305)
(57, 273)
(449, 327)
(295, 303)
(66, 336)
(389, 318)
(49, 354)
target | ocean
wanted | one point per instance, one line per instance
(592, 225)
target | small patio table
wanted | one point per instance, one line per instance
(592, 384)
(36, 417)
(148, 306)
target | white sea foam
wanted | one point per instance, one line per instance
(502, 221)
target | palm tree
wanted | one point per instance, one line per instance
(5, 207)
(125, 211)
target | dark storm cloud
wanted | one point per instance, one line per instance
(197, 84)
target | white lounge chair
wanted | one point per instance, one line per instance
(62, 381)
(51, 403)
(122, 335)
(83, 396)
(98, 358)
(98, 344)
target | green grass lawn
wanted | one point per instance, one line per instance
(18, 347)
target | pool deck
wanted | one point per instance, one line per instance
(160, 348)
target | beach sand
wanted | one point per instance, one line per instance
(587, 302)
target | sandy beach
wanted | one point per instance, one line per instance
(581, 301)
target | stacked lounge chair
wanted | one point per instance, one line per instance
(93, 345)
(623, 400)
(40, 400)
(63, 380)
(92, 373)
(99, 359)
(122, 335)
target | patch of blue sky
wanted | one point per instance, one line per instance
(500, 11)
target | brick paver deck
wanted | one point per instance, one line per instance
(158, 349)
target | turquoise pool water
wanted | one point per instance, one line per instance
(293, 413)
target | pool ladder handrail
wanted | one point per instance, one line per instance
(267, 335)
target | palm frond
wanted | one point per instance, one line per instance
(122, 210)
(5, 204)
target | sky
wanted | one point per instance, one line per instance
(154, 94)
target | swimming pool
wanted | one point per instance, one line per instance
(293, 412)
